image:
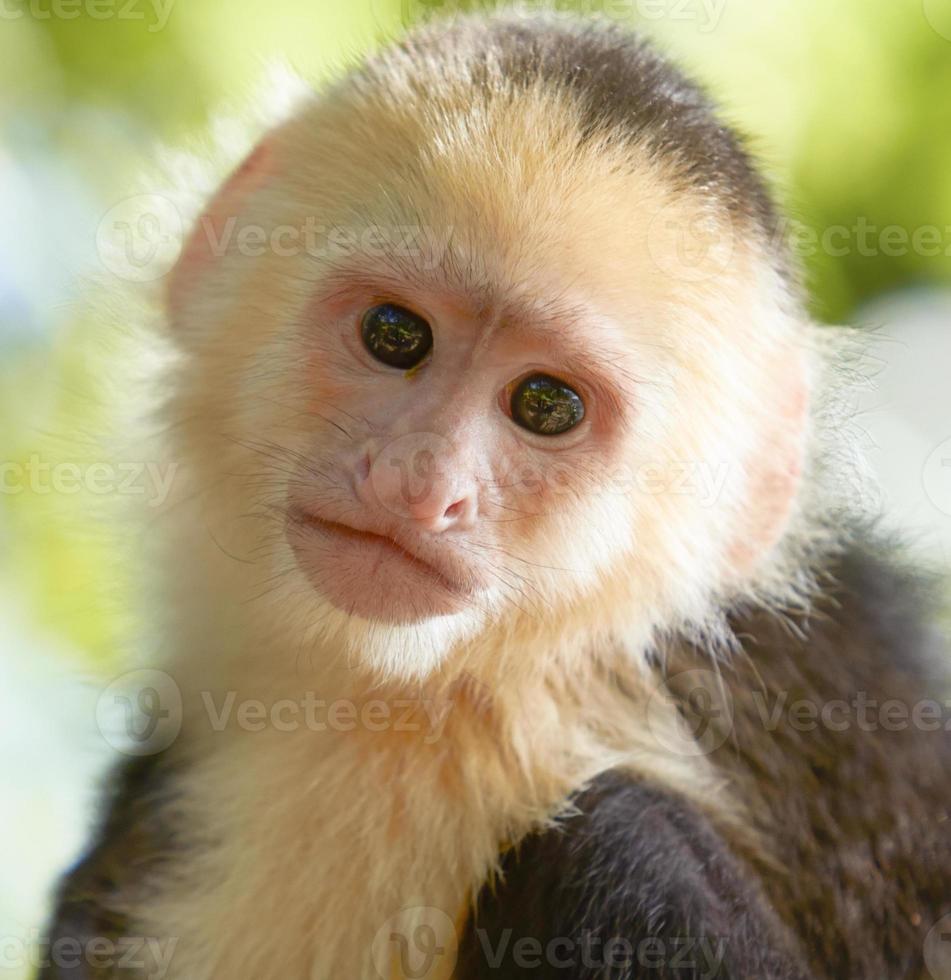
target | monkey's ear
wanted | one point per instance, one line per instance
(775, 469)
(216, 226)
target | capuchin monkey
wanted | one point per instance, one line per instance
(523, 535)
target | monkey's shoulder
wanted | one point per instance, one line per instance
(871, 625)
(635, 882)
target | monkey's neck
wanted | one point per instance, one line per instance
(520, 722)
(337, 801)
(327, 825)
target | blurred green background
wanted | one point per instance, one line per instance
(850, 106)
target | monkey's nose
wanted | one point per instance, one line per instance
(420, 478)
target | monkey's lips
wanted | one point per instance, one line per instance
(377, 575)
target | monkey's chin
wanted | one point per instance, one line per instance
(409, 653)
(370, 577)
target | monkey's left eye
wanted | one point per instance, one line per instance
(395, 336)
(545, 405)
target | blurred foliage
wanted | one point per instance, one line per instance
(848, 103)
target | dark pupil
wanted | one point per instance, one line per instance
(546, 405)
(395, 336)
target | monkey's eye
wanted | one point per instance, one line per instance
(396, 336)
(545, 405)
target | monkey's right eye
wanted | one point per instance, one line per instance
(395, 336)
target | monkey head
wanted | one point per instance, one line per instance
(478, 344)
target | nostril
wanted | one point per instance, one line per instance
(455, 510)
(363, 468)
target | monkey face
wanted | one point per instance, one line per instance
(487, 384)
(453, 438)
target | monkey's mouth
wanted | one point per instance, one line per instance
(323, 526)
(348, 563)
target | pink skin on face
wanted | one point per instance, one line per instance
(393, 552)
(414, 506)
